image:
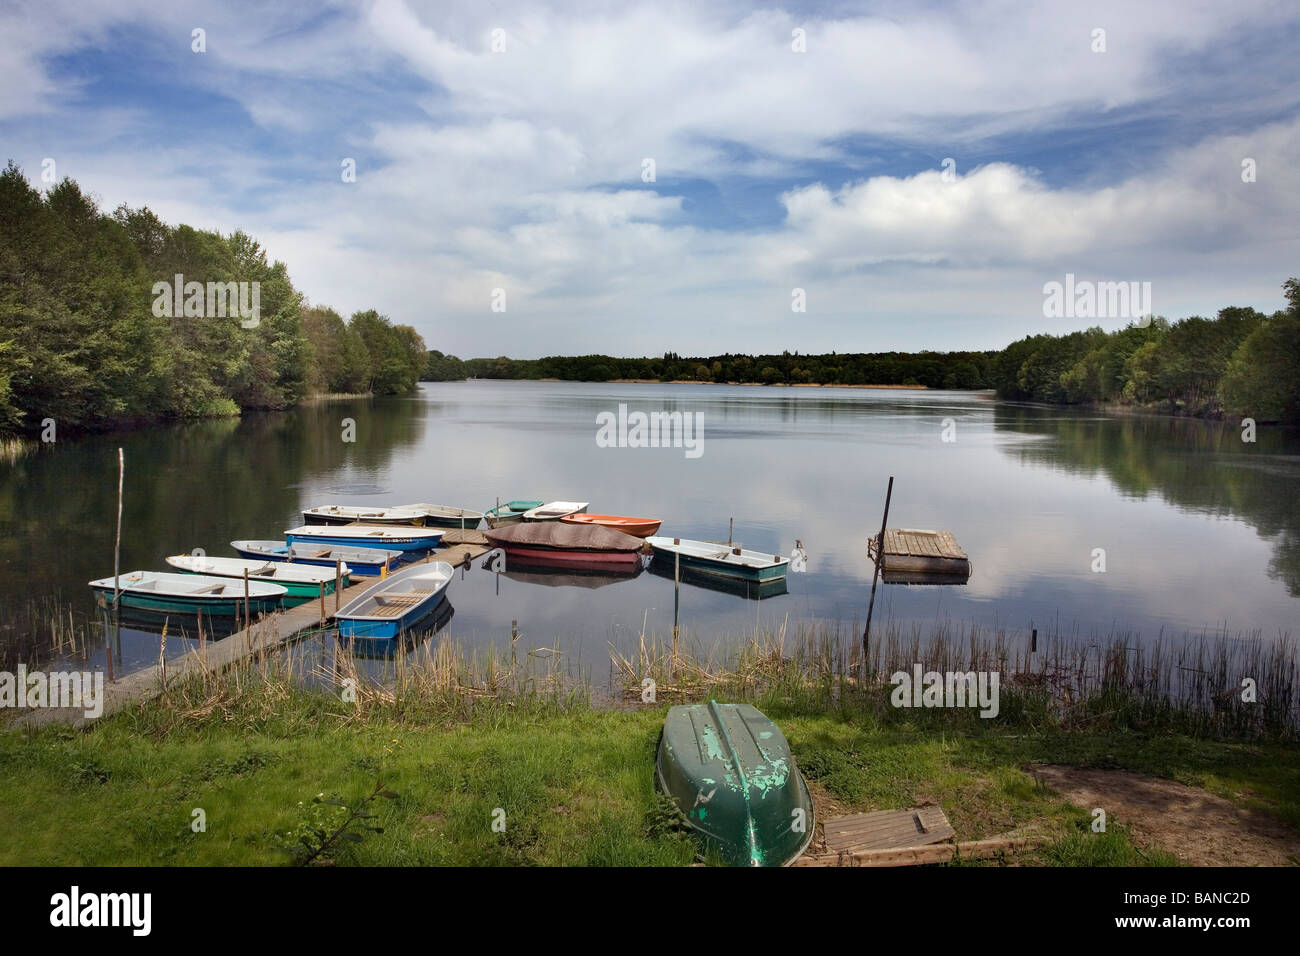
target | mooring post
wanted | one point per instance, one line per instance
(246, 635)
(117, 569)
(338, 581)
(677, 602)
(322, 604)
(880, 560)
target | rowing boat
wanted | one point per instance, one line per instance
(348, 514)
(512, 512)
(640, 527)
(163, 592)
(554, 510)
(445, 516)
(367, 536)
(555, 545)
(721, 560)
(360, 561)
(302, 582)
(730, 771)
(394, 605)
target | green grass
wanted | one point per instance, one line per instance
(575, 783)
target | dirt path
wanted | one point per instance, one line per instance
(1197, 827)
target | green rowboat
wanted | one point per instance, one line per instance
(730, 771)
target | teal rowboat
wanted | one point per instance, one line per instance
(161, 592)
(730, 771)
(512, 512)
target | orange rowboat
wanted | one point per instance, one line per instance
(640, 527)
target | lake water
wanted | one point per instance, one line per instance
(1200, 531)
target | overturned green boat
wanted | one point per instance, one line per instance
(730, 771)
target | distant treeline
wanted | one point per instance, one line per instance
(1240, 363)
(931, 369)
(94, 331)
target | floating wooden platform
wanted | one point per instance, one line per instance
(269, 632)
(912, 551)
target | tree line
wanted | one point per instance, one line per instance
(1240, 363)
(96, 329)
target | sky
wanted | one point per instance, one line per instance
(919, 171)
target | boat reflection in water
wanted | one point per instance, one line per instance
(387, 648)
(563, 577)
(662, 565)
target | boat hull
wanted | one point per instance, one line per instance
(730, 771)
(638, 527)
(389, 542)
(331, 520)
(509, 513)
(662, 566)
(392, 607)
(366, 562)
(719, 568)
(577, 560)
(177, 604)
(388, 630)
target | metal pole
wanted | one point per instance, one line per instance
(880, 560)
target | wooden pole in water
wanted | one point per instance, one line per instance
(117, 569)
(338, 581)
(880, 560)
(677, 592)
(246, 602)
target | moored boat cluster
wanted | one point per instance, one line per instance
(337, 542)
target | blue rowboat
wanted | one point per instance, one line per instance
(161, 592)
(720, 560)
(366, 562)
(388, 537)
(391, 607)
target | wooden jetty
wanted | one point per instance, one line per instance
(268, 633)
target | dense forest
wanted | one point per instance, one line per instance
(91, 335)
(1240, 363)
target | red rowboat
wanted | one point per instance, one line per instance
(640, 527)
(555, 545)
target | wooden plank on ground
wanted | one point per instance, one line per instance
(921, 855)
(884, 829)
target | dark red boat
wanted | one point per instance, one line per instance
(551, 544)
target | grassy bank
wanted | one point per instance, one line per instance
(460, 745)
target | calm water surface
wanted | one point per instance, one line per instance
(1201, 532)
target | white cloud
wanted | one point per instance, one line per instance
(521, 170)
